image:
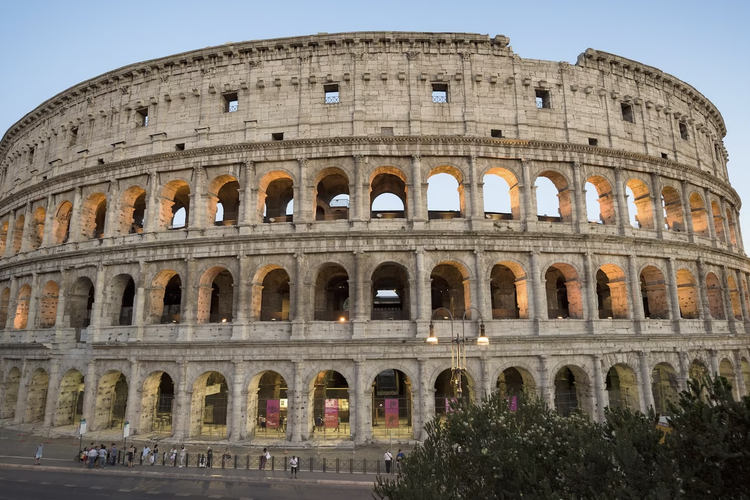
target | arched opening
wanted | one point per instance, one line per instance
(93, 216)
(275, 196)
(61, 223)
(718, 222)
(388, 194)
(563, 292)
(223, 201)
(497, 204)
(508, 291)
(732, 229)
(267, 404)
(166, 298)
(447, 391)
(3, 237)
(654, 293)
(332, 294)
(514, 382)
(687, 292)
(10, 401)
(36, 234)
(698, 211)
(329, 401)
(111, 401)
(726, 370)
(611, 292)
(119, 302)
(697, 369)
(622, 388)
(36, 398)
(672, 206)
(449, 288)
(208, 409)
(332, 195)
(4, 304)
(48, 305)
(22, 308)
(664, 387)
(639, 204)
(572, 391)
(132, 211)
(80, 303)
(390, 292)
(715, 296)
(70, 399)
(274, 303)
(392, 405)
(734, 296)
(157, 403)
(216, 296)
(18, 233)
(745, 368)
(445, 194)
(553, 202)
(174, 205)
(600, 206)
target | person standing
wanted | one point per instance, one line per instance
(209, 458)
(264, 457)
(38, 454)
(399, 458)
(131, 456)
(225, 458)
(102, 457)
(113, 454)
(145, 454)
(93, 455)
(183, 452)
(388, 457)
(155, 454)
(293, 463)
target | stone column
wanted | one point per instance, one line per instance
(725, 222)
(739, 379)
(359, 306)
(27, 223)
(23, 393)
(247, 194)
(360, 434)
(90, 386)
(426, 408)
(710, 216)
(486, 381)
(197, 215)
(527, 194)
(31, 318)
(139, 302)
(645, 380)
(591, 312)
(714, 362)
(360, 204)
(49, 218)
(477, 211)
(297, 308)
(602, 398)
(12, 303)
(74, 233)
(686, 210)
(743, 295)
(9, 235)
(638, 313)
(674, 297)
(133, 406)
(538, 301)
(546, 386)
(703, 295)
(684, 374)
(181, 413)
(238, 403)
(622, 203)
(152, 212)
(189, 300)
(98, 307)
(61, 305)
(482, 284)
(298, 402)
(418, 210)
(302, 208)
(727, 298)
(580, 219)
(738, 231)
(658, 205)
(424, 312)
(113, 207)
(53, 392)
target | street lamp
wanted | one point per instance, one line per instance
(458, 346)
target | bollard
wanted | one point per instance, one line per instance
(337, 466)
(187, 459)
(311, 465)
(273, 461)
(324, 464)
(247, 466)
(351, 466)
(365, 466)
(164, 458)
(235, 461)
(378, 467)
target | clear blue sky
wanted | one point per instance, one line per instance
(48, 46)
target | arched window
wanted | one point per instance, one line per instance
(276, 196)
(18, 233)
(698, 211)
(640, 206)
(48, 305)
(553, 202)
(36, 234)
(715, 296)
(563, 292)
(445, 194)
(216, 296)
(223, 201)
(600, 207)
(654, 293)
(501, 195)
(672, 206)
(274, 304)
(166, 298)
(732, 230)
(132, 211)
(388, 194)
(93, 216)
(332, 195)
(332, 294)
(718, 222)
(450, 288)
(687, 292)
(22, 308)
(390, 292)
(174, 207)
(508, 291)
(612, 293)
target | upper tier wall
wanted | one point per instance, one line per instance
(385, 84)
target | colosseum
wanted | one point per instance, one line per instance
(251, 241)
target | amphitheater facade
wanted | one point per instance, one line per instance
(240, 243)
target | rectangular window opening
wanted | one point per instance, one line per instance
(387, 131)
(683, 131)
(141, 116)
(277, 136)
(231, 102)
(593, 142)
(543, 99)
(496, 133)
(440, 93)
(73, 136)
(331, 93)
(627, 112)
(31, 156)
(100, 161)
(665, 156)
(179, 147)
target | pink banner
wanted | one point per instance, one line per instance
(332, 413)
(391, 413)
(449, 403)
(272, 413)
(513, 403)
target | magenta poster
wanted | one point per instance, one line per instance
(513, 403)
(449, 403)
(391, 413)
(332, 413)
(272, 413)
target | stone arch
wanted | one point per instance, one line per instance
(12, 386)
(209, 405)
(93, 216)
(509, 291)
(718, 222)
(157, 403)
(726, 370)
(216, 296)
(447, 390)
(165, 298)
(604, 211)
(611, 292)
(732, 228)
(390, 292)
(3, 236)
(641, 200)
(132, 210)
(70, 399)
(331, 194)
(18, 234)
(501, 207)
(700, 218)
(332, 293)
(223, 201)
(687, 292)
(564, 201)
(329, 406)
(734, 297)
(272, 294)
(120, 297)
(388, 181)
(48, 305)
(564, 297)
(4, 305)
(275, 194)
(174, 205)
(621, 385)
(665, 387)
(449, 288)
(21, 318)
(515, 381)
(654, 293)
(80, 303)
(572, 390)
(698, 369)
(111, 401)
(267, 405)
(36, 233)
(715, 296)
(672, 206)
(392, 405)
(36, 397)
(61, 223)
(445, 193)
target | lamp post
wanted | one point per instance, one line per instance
(458, 346)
